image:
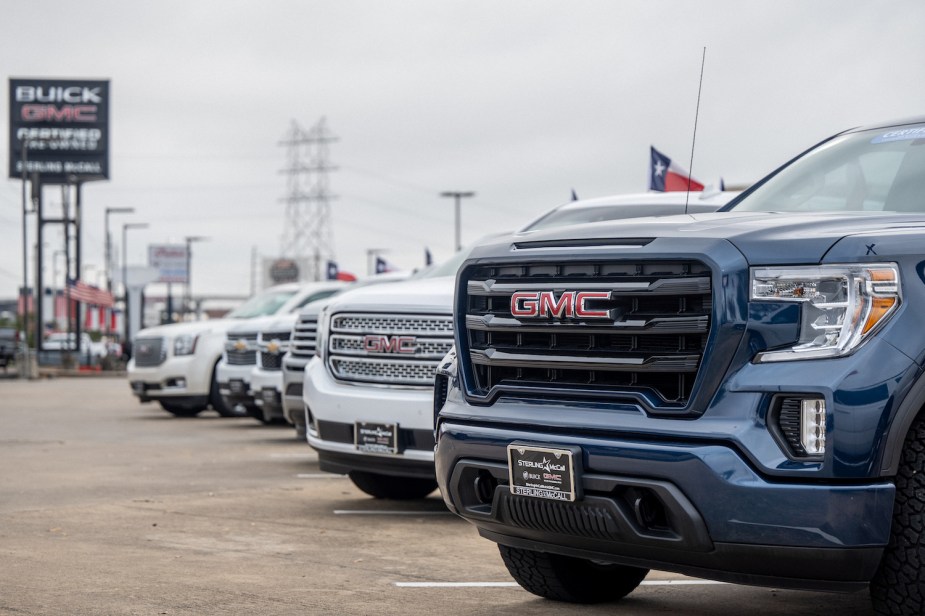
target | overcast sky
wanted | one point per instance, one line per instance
(518, 101)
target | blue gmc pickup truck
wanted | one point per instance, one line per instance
(737, 396)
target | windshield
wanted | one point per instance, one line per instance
(447, 268)
(879, 170)
(261, 305)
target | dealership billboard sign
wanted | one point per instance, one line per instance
(63, 124)
(170, 261)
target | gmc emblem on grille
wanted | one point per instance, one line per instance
(390, 344)
(569, 305)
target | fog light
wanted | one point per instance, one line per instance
(812, 426)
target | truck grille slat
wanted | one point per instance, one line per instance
(304, 336)
(150, 352)
(241, 348)
(273, 345)
(388, 349)
(642, 329)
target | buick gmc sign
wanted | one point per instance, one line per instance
(59, 128)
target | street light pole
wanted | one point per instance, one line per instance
(458, 196)
(189, 274)
(126, 342)
(108, 268)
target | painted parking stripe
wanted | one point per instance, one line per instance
(320, 476)
(513, 584)
(294, 455)
(384, 512)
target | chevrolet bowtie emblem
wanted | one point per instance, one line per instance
(240, 345)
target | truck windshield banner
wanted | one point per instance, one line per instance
(59, 128)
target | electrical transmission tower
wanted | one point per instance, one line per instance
(307, 235)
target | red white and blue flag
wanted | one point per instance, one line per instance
(383, 266)
(668, 176)
(88, 294)
(334, 273)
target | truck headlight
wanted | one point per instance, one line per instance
(841, 305)
(185, 344)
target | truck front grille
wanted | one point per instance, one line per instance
(273, 345)
(150, 352)
(241, 349)
(587, 329)
(388, 349)
(304, 336)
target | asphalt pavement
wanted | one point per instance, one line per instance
(112, 507)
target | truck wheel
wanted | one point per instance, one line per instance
(563, 578)
(181, 410)
(394, 488)
(215, 399)
(898, 586)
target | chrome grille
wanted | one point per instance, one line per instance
(150, 352)
(273, 345)
(388, 348)
(304, 336)
(649, 343)
(241, 348)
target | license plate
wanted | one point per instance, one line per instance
(376, 438)
(138, 387)
(237, 387)
(542, 472)
(269, 395)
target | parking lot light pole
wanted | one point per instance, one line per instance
(458, 196)
(189, 274)
(108, 241)
(126, 342)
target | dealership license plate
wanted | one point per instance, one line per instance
(269, 395)
(138, 387)
(376, 438)
(542, 472)
(237, 387)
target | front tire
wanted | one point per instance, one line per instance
(392, 487)
(575, 580)
(899, 585)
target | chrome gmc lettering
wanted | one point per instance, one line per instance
(390, 344)
(569, 305)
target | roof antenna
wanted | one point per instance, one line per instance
(574, 195)
(690, 168)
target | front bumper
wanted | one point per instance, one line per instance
(718, 518)
(266, 386)
(176, 377)
(234, 384)
(336, 407)
(293, 379)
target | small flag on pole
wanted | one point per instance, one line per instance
(668, 176)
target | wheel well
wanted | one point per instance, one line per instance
(912, 407)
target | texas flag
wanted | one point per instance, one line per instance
(668, 176)
(383, 266)
(334, 273)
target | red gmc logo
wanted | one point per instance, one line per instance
(569, 305)
(390, 344)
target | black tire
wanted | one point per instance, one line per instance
(575, 580)
(216, 400)
(391, 487)
(181, 410)
(898, 586)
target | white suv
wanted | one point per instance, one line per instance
(175, 365)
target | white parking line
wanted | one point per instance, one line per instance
(510, 584)
(383, 512)
(307, 456)
(320, 476)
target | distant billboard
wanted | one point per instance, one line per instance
(65, 124)
(170, 262)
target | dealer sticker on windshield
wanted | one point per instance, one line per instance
(542, 472)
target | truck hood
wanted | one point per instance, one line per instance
(215, 326)
(427, 295)
(762, 237)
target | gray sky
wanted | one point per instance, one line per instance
(519, 101)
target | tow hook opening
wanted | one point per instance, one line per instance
(649, 510)
(484, 486)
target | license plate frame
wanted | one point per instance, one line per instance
(371, 437)
(539, 471)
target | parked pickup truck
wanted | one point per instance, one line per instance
(737, 395)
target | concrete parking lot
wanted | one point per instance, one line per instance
(111, 507)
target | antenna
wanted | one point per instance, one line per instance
(690, 168)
